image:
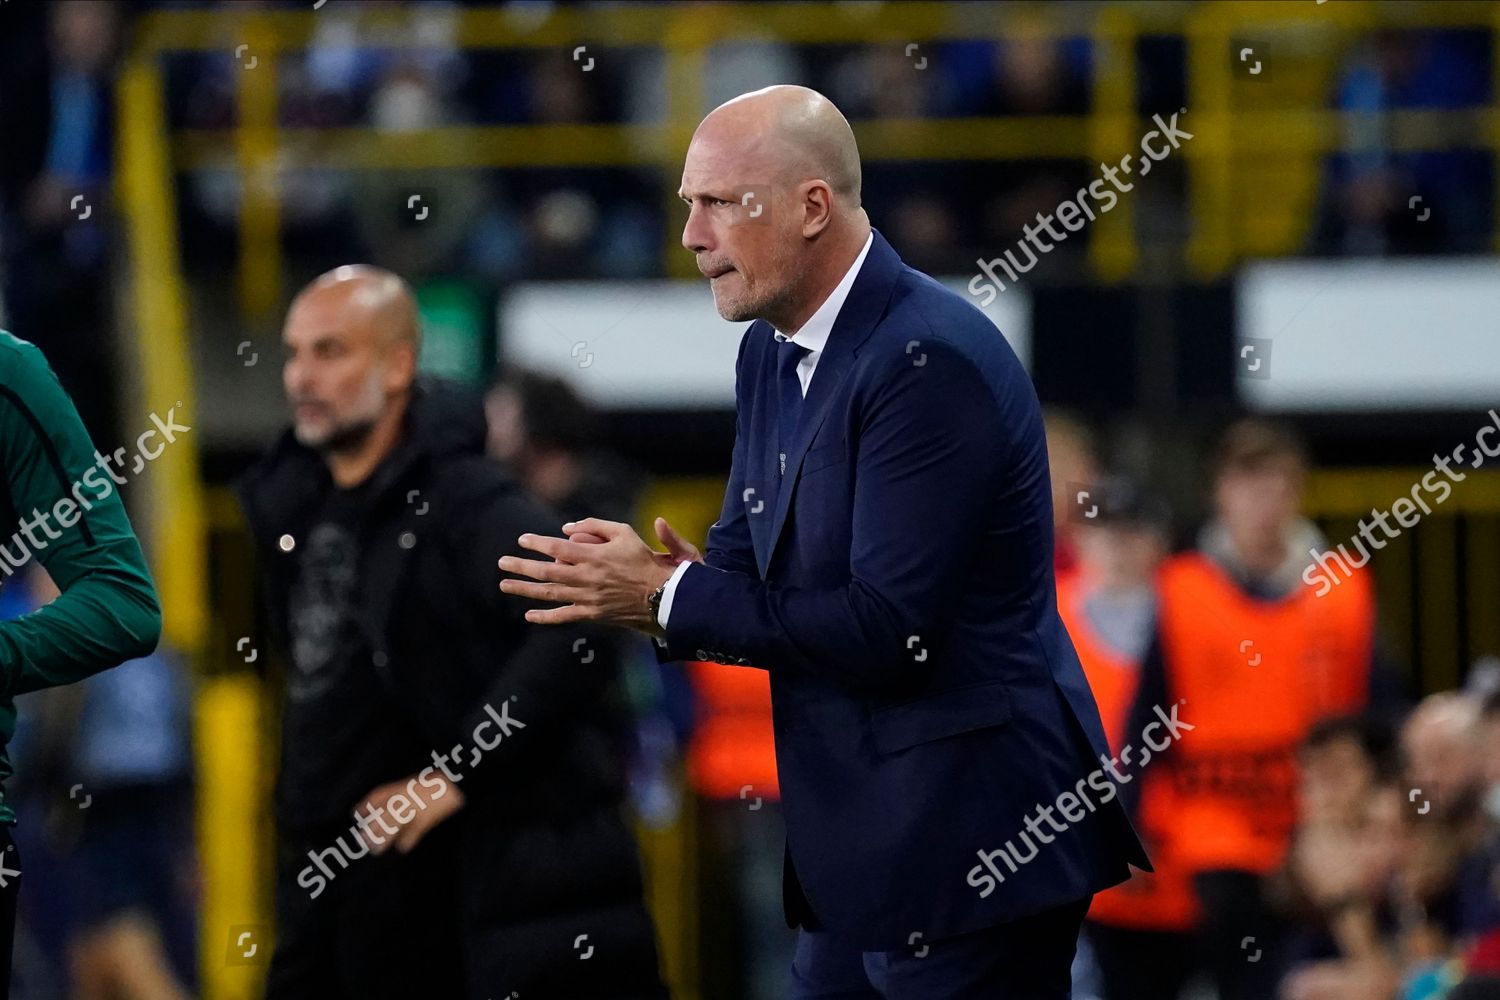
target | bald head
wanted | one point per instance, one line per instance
(772, 180)
(795, 131)
(1441, 743)
(352, 338)
(371, 301)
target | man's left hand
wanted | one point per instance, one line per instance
(410, 833)
(598, 581)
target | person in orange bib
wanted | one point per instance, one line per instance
(1253, 655)
(1140, 932)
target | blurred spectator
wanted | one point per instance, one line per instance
(1478, 881)
(544, 431)
(1480, 904)
(925, 229)
(887, 81)
(1440, 742)
(348, 57)
(1031, 72)
(542, 428)
(585, 223)
(1141, 931)
(414, 222)
(25, 114)
(1393, 909)
(1381, 201)
(1440, 888)
(748, 60)
(1111, 594)
(559, 90)
(1255, 659)
(52, 222)
(1344, 856)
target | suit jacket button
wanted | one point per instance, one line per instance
(700, 654)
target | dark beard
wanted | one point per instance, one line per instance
(350, 437)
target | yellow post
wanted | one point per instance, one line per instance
(234, 927)
(684, 50)
(1114, 249)
(156, 335)
(1210, 248)
(260, 181)
(170, 492)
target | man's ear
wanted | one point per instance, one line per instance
(817, 207)
(403, 368)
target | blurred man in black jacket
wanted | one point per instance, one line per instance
(450, 792)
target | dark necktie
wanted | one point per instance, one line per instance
(789, 389)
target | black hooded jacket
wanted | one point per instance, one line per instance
(543, 844)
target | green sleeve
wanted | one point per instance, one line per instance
(61, 506)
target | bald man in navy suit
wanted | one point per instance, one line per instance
(885, 552)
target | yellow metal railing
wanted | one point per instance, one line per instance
(1227, 127)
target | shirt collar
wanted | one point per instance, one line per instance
(814, 333)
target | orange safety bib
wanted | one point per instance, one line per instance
(1162, 900)
(1253, 676)
(733, 743)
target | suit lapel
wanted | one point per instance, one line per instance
(857, 319)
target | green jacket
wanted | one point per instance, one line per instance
(59, 504)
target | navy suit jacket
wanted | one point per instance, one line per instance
(898, 587)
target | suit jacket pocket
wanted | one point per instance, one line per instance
(947, 713)
(824, 455)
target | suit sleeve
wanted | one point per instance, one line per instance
(107, 611)
(930, 452)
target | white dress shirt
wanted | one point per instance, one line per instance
(814, 337)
